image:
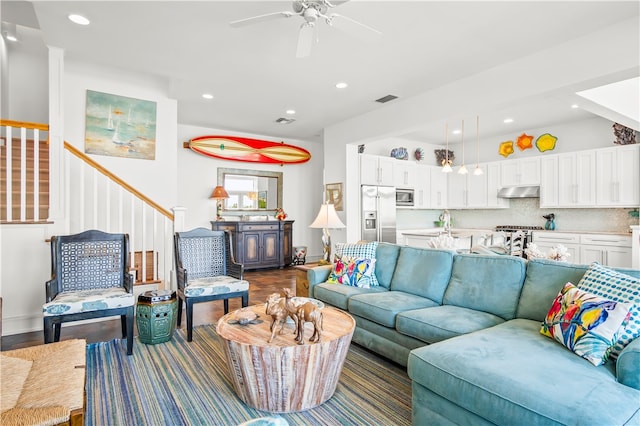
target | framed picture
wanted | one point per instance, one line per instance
(334, 195)
(119, 126)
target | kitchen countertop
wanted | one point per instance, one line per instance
(455, 232)
(562, 231)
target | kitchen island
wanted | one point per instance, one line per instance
(463, 238)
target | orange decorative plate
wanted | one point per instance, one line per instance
(248, 150)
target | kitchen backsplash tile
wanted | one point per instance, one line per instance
(527, 211)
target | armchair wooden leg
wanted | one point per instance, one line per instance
(48, 331)
(245, 299)
(56, 333)
(123, 325)
(189, 320)
(179, 320)
(226, 306)
(129, 321)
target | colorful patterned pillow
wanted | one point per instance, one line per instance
(618, 287)
(360, 251)
(585, 323)
(352, 271)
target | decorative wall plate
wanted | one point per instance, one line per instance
(249, 150)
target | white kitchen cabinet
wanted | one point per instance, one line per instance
(618, 176)
(523, 172)
(376, 170)
(609, 250)
(422, 194)
(404, 174)
(467, 191)
(549, 181)
(438, 188)
(493, 172)
(546, 240)
(577, 179)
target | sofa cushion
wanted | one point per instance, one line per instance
(338, 295)
(423, 272)
(443, 322)
(618, 287)
(486, 283)
(386, 259)
(359, 251)
(585, 323)
(382, 307)
(544, 280)
(511, 374)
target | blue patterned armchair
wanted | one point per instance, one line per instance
(206, 271)
(89, 279)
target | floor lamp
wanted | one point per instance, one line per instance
(219, 194)
(327, 218)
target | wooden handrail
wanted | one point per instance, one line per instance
(25, 124)
(75, 151)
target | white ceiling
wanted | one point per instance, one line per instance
(254, 75)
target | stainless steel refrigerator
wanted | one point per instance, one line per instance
(379, 213)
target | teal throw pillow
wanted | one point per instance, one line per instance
(618, 287)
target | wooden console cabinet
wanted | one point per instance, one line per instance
(260, 244)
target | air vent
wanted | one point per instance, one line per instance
(386, 99)
(283, 120)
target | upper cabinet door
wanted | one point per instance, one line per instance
(376, 170)
(404, 174)
(494, 173)
(618, 176)
(523, 172)
(549, 181)
(422, 187)
(438, 188)
(576, 179)
(477, 189)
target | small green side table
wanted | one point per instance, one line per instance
(156, 316)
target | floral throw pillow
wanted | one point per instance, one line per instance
(360, 251)
(618, 287)
(585, 323)
(352, 271)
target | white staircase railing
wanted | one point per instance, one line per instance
(95, 199)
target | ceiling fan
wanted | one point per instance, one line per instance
(311, 11)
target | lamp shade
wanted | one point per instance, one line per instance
(327, 218)
(219, 193)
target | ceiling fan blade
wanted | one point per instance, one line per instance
(261, 18)
(353, 27)
(305, 40)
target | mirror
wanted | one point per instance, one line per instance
(251, 190)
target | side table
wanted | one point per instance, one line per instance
(302, 282)
(156, 316)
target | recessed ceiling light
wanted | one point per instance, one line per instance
(508, 120)
(207, 95)
(290, 111)
(575, 106)
(9, 31)
(456, 132)
(79, 19)
(342, 85)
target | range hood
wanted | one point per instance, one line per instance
(519, 192)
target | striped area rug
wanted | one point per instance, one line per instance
(181, 383)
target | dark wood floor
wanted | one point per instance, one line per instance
(261, 285)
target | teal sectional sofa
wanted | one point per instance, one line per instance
(468, 329)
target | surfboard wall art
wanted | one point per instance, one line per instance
(248, 150)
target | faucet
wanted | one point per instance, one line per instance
(445, 217)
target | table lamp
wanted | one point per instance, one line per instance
(327, 218)
(219, 194)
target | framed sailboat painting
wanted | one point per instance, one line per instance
(120, 126)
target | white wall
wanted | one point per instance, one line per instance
(157, 179)
(302, 185)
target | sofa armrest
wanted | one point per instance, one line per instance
(628, 365)
(318, 275)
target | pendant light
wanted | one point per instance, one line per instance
(447, 164)
(463, 169)
(478, 171)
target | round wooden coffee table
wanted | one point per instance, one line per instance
(283, 376)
